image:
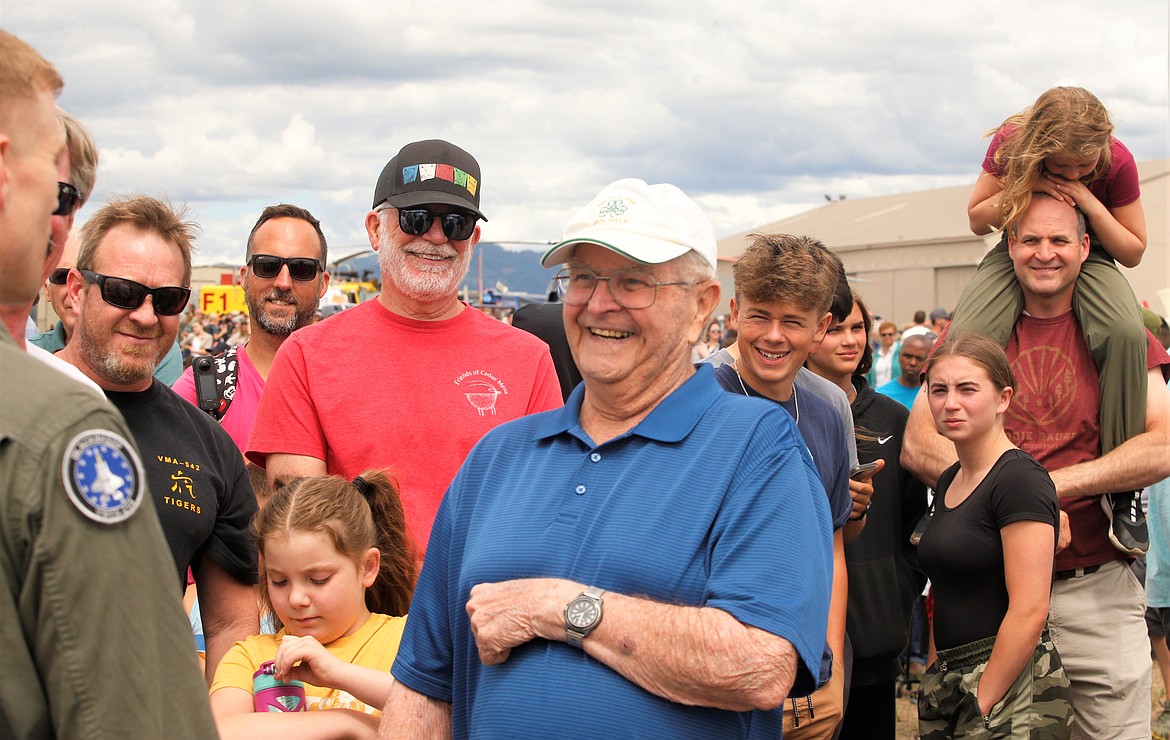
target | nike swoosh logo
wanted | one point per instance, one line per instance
(883, 440)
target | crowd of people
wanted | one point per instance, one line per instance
(203, 335)
(619, 514)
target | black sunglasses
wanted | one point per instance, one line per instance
(68, 199)
(417, 221)
(168, 300)
(59, 276)
(268, 266)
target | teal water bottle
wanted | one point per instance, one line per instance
(270, 694)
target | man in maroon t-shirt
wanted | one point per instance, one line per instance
(1097, 607)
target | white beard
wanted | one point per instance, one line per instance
(425, 283)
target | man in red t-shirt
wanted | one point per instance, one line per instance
(1096, 616)
(411, 381)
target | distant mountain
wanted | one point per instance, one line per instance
(519, 270)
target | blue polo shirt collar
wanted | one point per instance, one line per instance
(671, 420)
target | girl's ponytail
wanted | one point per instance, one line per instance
(391, 592)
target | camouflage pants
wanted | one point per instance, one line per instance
(1035, 707)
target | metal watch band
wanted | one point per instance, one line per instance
(573, 635)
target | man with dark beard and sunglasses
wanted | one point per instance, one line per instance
(412, 380)
(283, 279)
(132, 280)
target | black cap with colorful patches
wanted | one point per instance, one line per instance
(431, 171)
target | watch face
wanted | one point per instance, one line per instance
(582, 613)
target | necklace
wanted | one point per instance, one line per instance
(795, 400)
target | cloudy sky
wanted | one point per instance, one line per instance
(757, 109)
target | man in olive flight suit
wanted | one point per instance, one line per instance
(92, 631)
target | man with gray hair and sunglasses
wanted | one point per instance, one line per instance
(412, 380)
(590, 571)
(131, 282)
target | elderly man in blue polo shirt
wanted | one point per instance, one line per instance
(590, 569)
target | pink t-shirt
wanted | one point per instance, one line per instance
(1118, 188)
(369, 389)
(242, 411)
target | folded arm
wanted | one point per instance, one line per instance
(700, 656)
(1135, 464)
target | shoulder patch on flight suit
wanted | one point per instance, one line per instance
(103, 476)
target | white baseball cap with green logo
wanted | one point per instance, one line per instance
(650, 224)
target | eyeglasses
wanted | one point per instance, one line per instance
(168, 300)
(299, 268)
(58, 276)
(630, 288)
(68, 199)
(417, 221)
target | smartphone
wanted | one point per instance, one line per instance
(864, 471)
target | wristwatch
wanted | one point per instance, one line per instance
(582, 615)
